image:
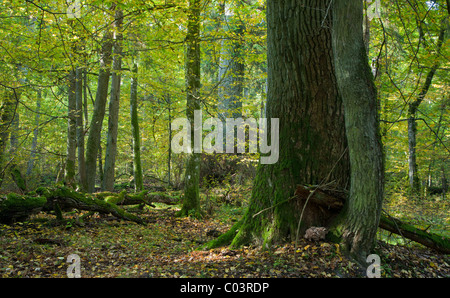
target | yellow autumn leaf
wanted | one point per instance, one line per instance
(337, 248)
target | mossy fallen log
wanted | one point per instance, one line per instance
(435, 241)
(144, 197)
(15, 207)
(336, 201)
(68, 198)
(161, 197)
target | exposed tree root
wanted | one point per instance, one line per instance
(334, 201)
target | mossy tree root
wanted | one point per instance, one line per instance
(241, 233)
(224, 239)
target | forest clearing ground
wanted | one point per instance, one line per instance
(167, 247)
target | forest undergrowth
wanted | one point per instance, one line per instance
(168, 246)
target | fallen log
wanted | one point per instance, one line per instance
(334, 201)
(435, 241)
(161, 197)
(144, 197)
(16, 207)
(68, 198)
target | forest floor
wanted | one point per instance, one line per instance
(168, 247)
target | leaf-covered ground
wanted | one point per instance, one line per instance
(167, 247)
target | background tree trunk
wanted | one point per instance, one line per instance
(69, 175)
(80, 128)
(15, 133)
(85, 98)
(7, 111)
(114, 104)
(93, 141)
(358, 91)
(191, 202)
(231, 70)
(169, 154)
(137, 168)
(302, 93)
(30, 164)
(414, 181)
(14, 170)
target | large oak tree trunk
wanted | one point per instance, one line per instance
(302, 93)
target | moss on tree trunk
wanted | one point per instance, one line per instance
(69, 175)
(93, 141)
(191, 201)
(17, 177)
(137, 168)
(356, 86)
(302, 94)
(8, 108)
(114, 105)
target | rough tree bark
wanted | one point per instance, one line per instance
(14, 169)
(231, 70)
(137, 168)
(80, 129)
(34, 143)
(93, 141)
(355, 80)
(114, 104)
(191, 201)
(7, 112)
(414, 181)
(302, 93)
(69, 175)
(169, 154)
